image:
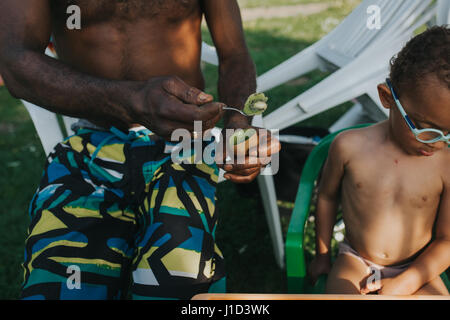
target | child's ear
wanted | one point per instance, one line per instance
(387, 100)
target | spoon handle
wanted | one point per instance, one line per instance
(234, 109)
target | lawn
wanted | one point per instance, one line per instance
(242, 234)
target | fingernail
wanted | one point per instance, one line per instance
(203, 97)
(228, 167)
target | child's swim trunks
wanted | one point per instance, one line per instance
(385, 272)
(113, 212)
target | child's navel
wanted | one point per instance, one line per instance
(359, 185)
(382, 255)
(424, 198)
(396, 161)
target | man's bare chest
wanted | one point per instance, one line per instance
(100, 10)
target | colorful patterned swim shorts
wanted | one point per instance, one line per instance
(114, 217)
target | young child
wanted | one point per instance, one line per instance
(392, 180)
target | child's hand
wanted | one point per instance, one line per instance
(388, 286)
(321, 264)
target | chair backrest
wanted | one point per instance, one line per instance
(443, 14)
(350, 38)
(52, 128)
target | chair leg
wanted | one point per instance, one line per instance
(68, 121)
(269, 199)
(46, 124)
(268, 195)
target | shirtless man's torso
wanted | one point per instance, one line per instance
(132, 39)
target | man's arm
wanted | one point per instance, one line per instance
(237, 81)
(237, 74)
(31, 75)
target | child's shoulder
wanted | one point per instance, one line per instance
(355, 139)
(356, 134)
(349, 144)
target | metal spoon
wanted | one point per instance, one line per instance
(237, 110)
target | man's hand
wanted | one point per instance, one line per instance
(168, 103)
(256, 153)
(321, 264)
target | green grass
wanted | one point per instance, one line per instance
(242, 234)
(22, 157)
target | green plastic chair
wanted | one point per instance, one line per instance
(296, 264)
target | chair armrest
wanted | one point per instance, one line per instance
(295, 257)
(445, 279)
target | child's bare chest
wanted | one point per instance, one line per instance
(409, 182)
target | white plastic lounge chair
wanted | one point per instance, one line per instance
(361, 56)
(443, 12)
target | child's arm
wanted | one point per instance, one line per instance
(327, 205)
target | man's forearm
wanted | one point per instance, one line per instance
(429, 265)
(237, 81)
(57, 87)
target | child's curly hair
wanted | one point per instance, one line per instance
(427, 53)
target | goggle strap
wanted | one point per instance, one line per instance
(410, 122)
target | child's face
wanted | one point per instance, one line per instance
(428, 106)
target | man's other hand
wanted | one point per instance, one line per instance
(249, 157)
